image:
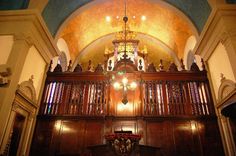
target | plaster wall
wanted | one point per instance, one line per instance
(34, 65)
(219, 63)
(6, 43)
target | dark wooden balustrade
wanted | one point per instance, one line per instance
(182, 93)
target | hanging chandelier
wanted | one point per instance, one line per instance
(123, 83)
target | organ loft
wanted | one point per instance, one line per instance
(117, 78)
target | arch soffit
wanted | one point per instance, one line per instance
(159, 42)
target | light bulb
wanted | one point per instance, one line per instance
(133, 85)
(116, 85)
(124, 80)
(143, 18)
(108, 18)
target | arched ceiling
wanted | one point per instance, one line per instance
(197, 10)
(163, 22)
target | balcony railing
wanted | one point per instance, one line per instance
(166, 93)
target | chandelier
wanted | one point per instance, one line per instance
(123, 83)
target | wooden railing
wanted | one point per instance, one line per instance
(75, 94)
(177, 97)
(162, 94)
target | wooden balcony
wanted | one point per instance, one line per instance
(161, 94)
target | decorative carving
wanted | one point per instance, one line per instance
(226, 88)
(140, 65)
(161, 67)
(99, 68)
(173, 68)
(90, 67)
(109, 66)
(28, 90)
(182, 64)
(151, 68)
(123, 143)
(58, 68)
(69, 66)
(194, 67)
(15, 107)
(4, 76)
(78, 69)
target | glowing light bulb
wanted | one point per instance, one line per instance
(108, 18)
(116, 85)
(124, 80)
(143, 18)
(133, 85)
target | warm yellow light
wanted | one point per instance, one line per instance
(116, 85)
(193, 126)
(133, 85)
(134, 17)
(143, 18)
(124, 80)
(108, 18)
(117, 17)
(58, 124)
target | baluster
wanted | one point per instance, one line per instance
(161, 103)
(204, 98)
(54, 100)
(44, 103)
(165, 98)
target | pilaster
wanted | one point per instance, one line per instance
(7, 94)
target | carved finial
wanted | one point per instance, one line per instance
(99, 68)
(69, 66)
(109, 66)
(182, 64)
(194, 67)
(90, 65)
(31, 78)
(222, 77)
(78, 68)
(140, 65)
(203, 65)
(50, 66)
(161, 67)
(173, 68)
(58, 68)
(151, 68)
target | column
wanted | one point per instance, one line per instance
(7, 93)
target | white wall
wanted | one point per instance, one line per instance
(6, 43)
(219, 63)
(34, 65)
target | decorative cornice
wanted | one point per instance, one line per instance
(21, 36)
(215, 31)
(31, 28)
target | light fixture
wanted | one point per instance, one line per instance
(143, 18)
(124, 84)
(108, 18)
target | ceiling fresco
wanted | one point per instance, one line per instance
(197, 10)
(161, 23)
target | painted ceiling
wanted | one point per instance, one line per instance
(163, 22)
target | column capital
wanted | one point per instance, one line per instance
(24, 37)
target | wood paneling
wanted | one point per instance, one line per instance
(197, 137)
